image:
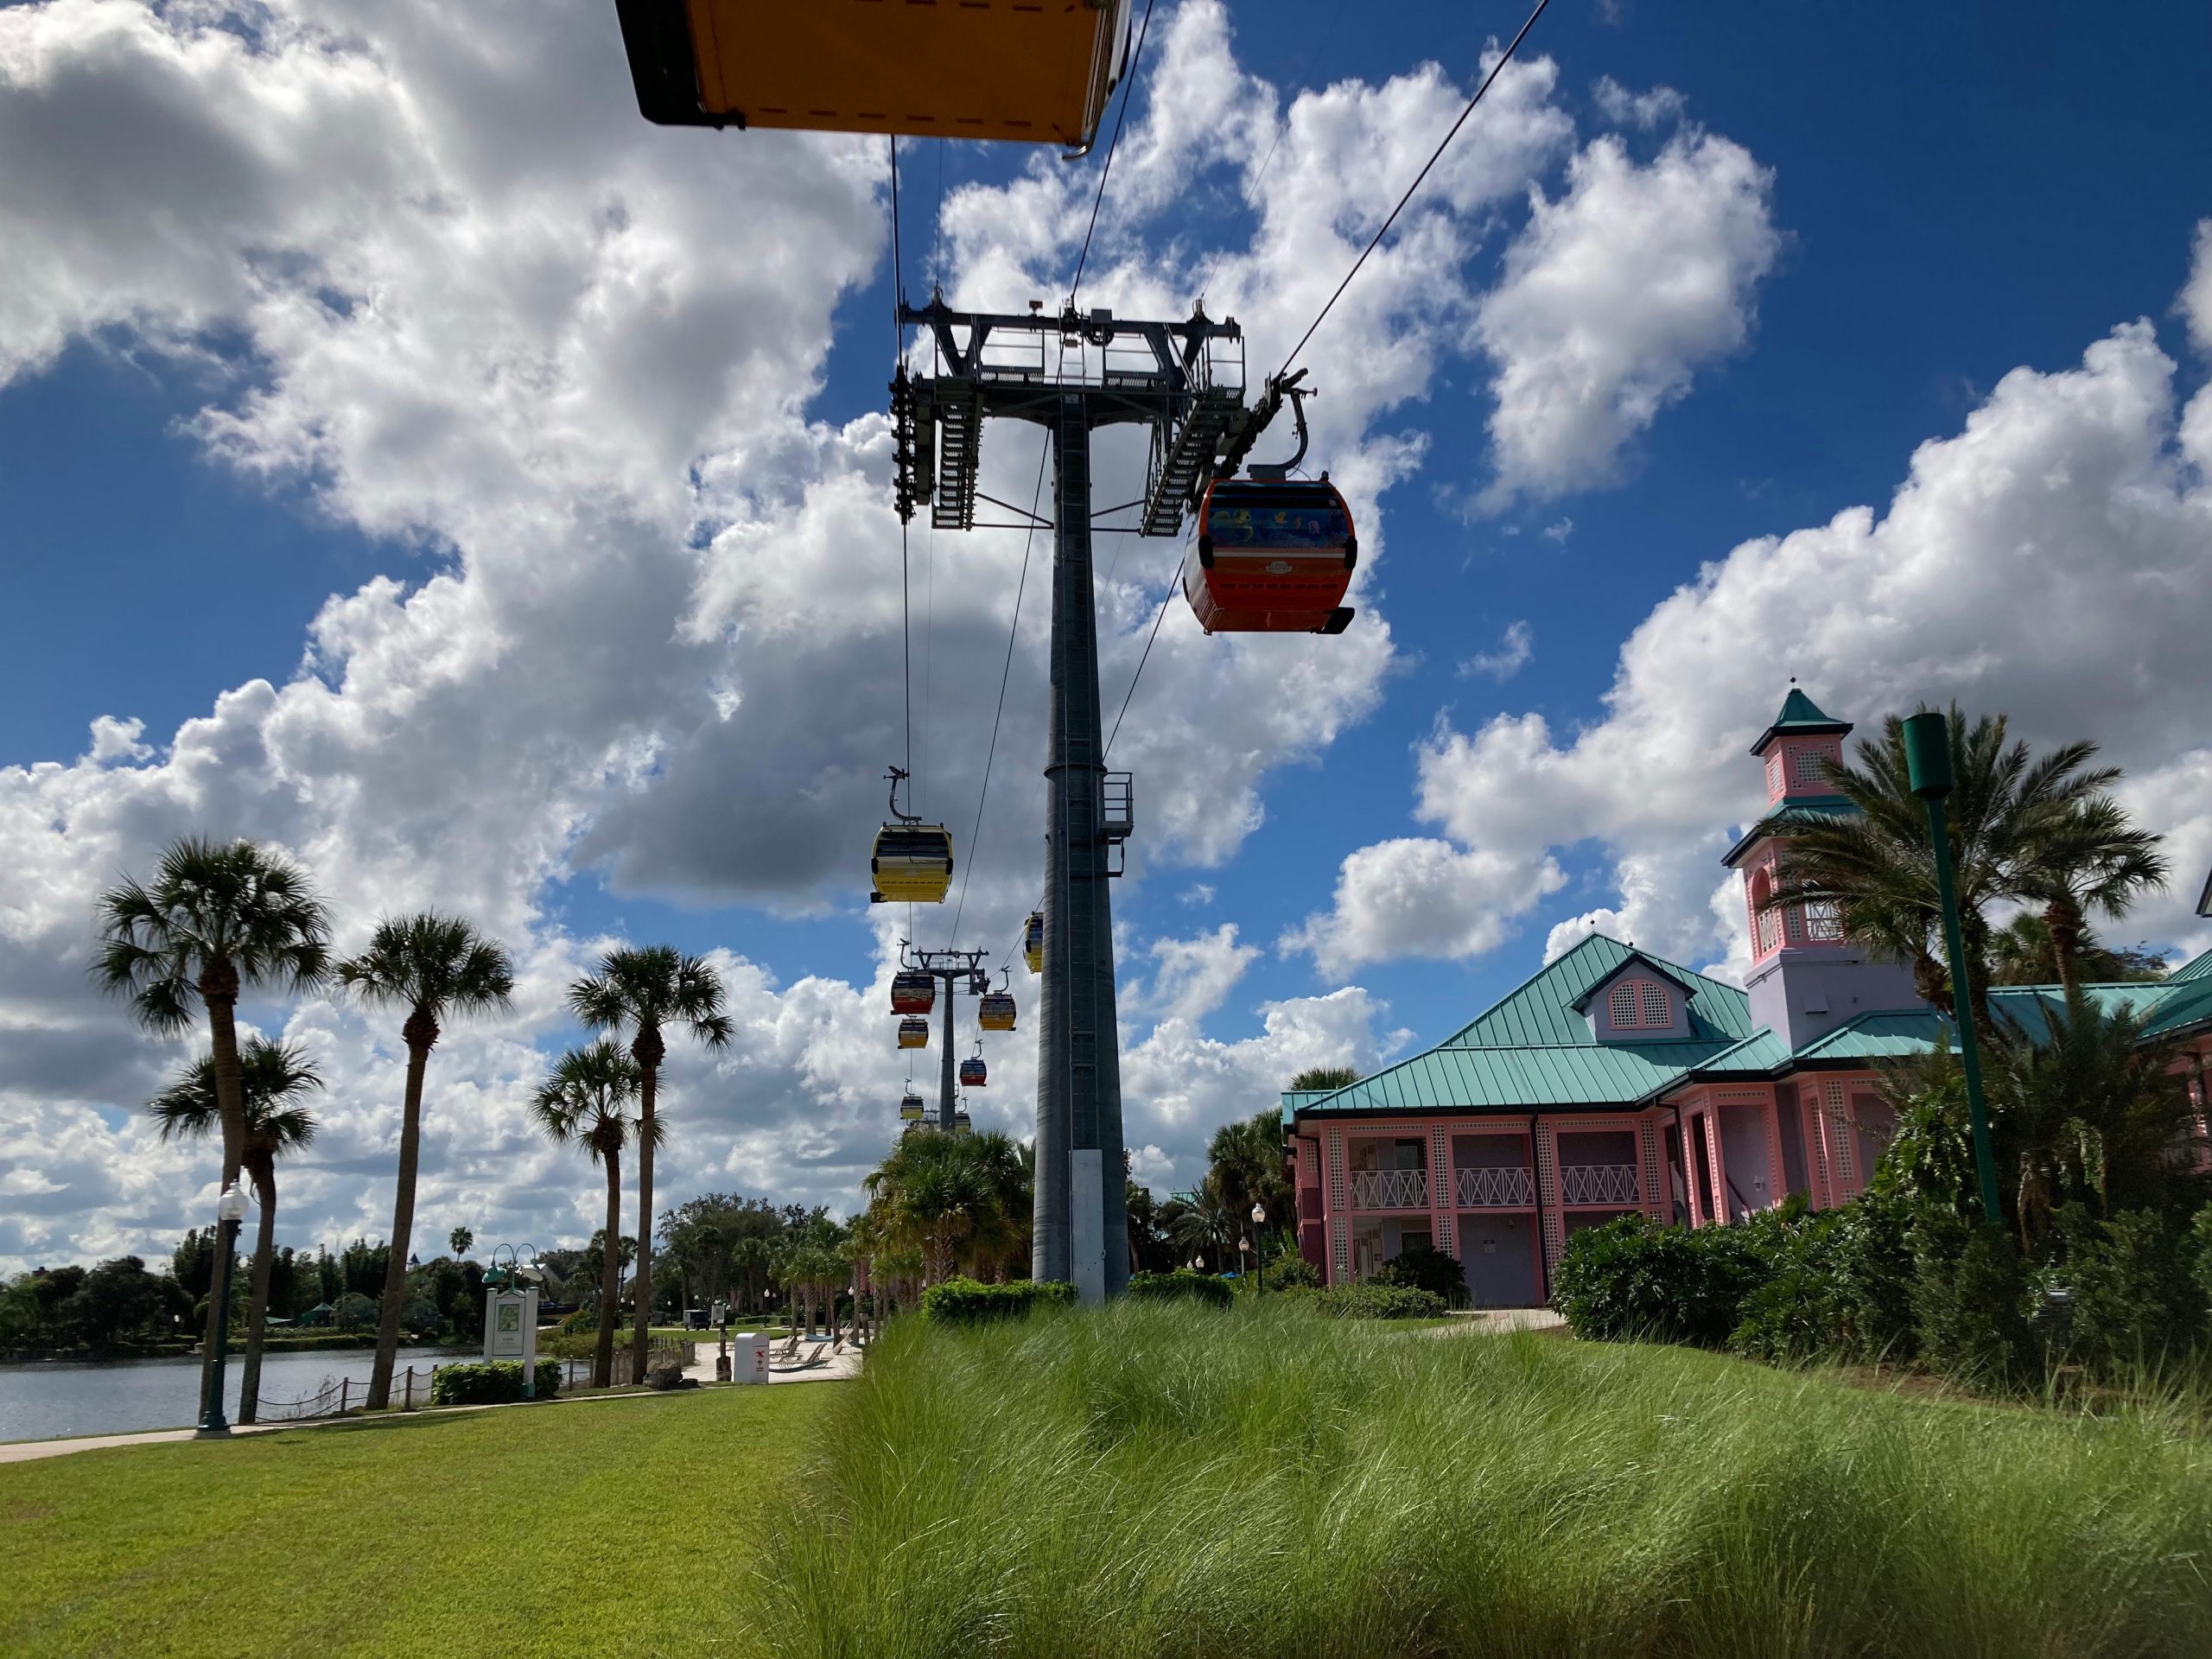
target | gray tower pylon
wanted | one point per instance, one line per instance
(1183, 381)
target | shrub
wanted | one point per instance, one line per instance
(1371, 1300)
(1969, 1300)
(1291, 1271)
(1838, 1285)
(1634, 1279)
(353, 1312)
(2131, 1301)
(497, 1384)
(584, 1321)
(1423, 1267)
(963, 1302)
(2200, 1240)
(1183, 1284)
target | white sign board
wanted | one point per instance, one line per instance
(511, 1332)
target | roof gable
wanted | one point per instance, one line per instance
(1541, 1012)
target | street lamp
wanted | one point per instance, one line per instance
(1927, 768)
(1259, 1258)
(230, 1214)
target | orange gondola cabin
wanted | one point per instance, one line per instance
(1274, 556)
(1036, 72)
(914, 1032)
(996, 1011)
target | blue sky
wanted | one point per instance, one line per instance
(190, 473)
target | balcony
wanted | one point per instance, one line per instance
(1498, 1188)
(1389, 1189)
(1614, 1186)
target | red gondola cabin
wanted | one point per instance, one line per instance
(912, 992)
(1272, 557)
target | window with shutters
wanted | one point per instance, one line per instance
(1823, 922)
(1774, 776)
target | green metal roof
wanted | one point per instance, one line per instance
(2186, 1005)
(1801, 713)
(1502, 1080)
(1810, 809)
(1541, 1012)
(2199, 969)
(1756, 1056)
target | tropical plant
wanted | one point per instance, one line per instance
(2010, 816)
(218, 918)
(2090, 857)
(642, 990)
(274, 1079)
(581, 1104)
(1324, 1076)
(2022, 952)
(1201, 1221)
(436, 967)
(1245, 1166)
(932, 1194)
(2093, 1114)
(460, 1241)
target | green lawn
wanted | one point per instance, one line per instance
(596, 1526)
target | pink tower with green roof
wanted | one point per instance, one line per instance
(1806, 978)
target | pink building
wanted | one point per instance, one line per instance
(1614, 1082)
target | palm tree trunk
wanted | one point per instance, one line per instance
(219, 991)
(610, 1279)
(256, 1317)
(2063, 918)
(403, 1228)
(642, 1281)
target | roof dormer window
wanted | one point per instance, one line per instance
(1640, 1005)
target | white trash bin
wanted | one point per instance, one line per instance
(748, 1357)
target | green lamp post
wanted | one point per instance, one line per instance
(1928, 767)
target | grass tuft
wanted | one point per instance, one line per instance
(1149, 1481)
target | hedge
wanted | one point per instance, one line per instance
(1183, 1284)
(965, 1301)
(1369, 1301)
(497, 1384)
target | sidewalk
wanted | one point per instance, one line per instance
(843, 1365)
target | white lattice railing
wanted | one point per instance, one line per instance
(1598, 1184)
(1389, 1189)
(1496, 1188)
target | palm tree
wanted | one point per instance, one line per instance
(2023, 952)
(1324, 1076)
(580, 1105)
(1001, 1235)
(2091, 858)
(932, 1193)
(1872, 869)
(1202, 1221)
(2094, 1113)
(435, 967)
(641, 990)
(1245, 1166)
(218, 917)
(273, 1077)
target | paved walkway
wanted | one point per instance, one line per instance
(843, 1364)
(1495, 1321)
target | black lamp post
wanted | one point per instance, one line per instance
(1927, 768)
(1259, 1248)
(230, 1215)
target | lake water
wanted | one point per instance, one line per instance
(118, 1396)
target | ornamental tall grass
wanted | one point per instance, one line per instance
(1149, 1481)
